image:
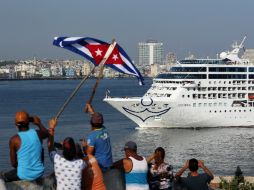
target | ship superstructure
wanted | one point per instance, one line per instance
(196, 93)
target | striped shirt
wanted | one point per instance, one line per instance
(136, 179)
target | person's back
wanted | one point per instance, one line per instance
(198, 182)
(26, 152)
(68, 168)
(92, 175)
(68, 173)
(135, 168)
(99, 139)
(136, 179)
(30, 165)
(194, 180)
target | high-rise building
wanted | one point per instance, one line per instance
(150, 52)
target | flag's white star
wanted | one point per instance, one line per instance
(115, 57)
(98, 52)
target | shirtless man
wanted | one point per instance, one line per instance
(26, 149)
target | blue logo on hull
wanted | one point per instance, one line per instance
(147, 112)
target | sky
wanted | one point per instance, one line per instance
(200, 27)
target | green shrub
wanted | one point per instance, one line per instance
(237, 183)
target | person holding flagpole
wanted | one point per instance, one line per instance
(97, 143)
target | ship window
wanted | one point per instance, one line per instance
(229, 110)
(183, 96)
(225, 110)
(250, 110)
(194, 104)
(210, 104)
(239, 110)
(244, 110)
(205, 104)
(214, 111)
(200, 104)
(234, 110)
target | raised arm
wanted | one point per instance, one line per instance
(42, 132)
(89, 108)
(52, 126)
(150, 158)
(206, 170)
(182, 170)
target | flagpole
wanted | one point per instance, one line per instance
(73, 94)
(102, 65)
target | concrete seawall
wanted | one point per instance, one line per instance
(113, 179)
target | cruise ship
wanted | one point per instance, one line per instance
(196, 93)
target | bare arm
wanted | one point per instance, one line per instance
(206, 170)
(182, 170)
(125, 164)
(150, 158)
(89, 108)
(118, 164)
(43, 132)
(52, 125)
(14, 145)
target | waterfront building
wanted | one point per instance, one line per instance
(45, 72)
(86, 69)
(150, 52)
(56, 70)
(69, 72)
(170, 59)
(154, 70)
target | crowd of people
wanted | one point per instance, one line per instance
(82, 167)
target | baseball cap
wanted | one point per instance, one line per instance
(97, 118)
(22, 117)
(130, 145)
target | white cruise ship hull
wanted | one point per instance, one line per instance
(196, 93)
(168, 114)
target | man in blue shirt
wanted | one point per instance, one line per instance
(26, 149)
(98, 141)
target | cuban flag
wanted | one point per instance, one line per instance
(95, 50)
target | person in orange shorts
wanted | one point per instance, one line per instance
(92, 177)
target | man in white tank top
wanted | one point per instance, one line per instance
(135, 168)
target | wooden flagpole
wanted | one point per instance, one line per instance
(73, 94)
(102, 65)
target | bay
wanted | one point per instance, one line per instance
(222, 149)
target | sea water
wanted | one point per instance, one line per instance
(221, 149)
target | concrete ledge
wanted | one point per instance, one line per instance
(113, 178)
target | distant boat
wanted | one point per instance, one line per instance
(196, 93)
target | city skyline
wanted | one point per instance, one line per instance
(198, 27)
